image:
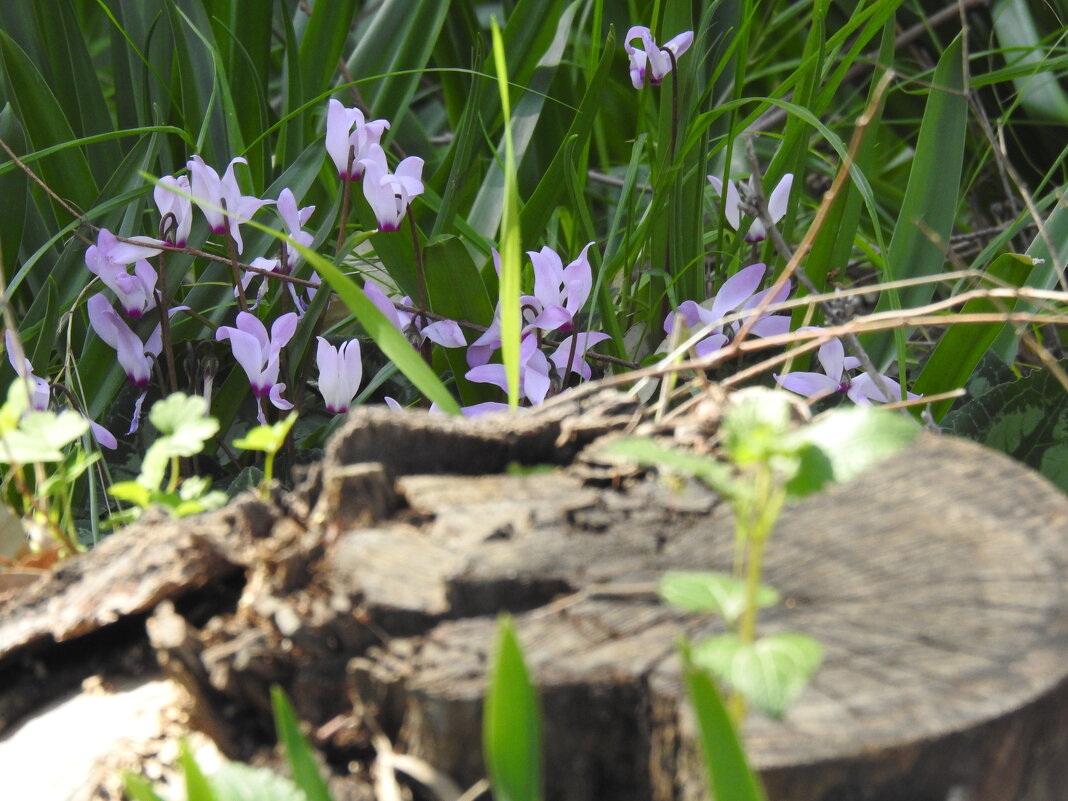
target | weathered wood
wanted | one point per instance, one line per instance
(935, 582)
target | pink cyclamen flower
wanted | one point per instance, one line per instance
(737, 293)
(175, 207)
(559, 292)
(135, 356)
(534, 368)
(777, 205)
(220, 199)
(861, 389)
(40, 391)
(390, 193)
(652, 62)
(348, 138)
(108, 260)
(259, 354)
(340, 373)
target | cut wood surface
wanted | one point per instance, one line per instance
(935, 583)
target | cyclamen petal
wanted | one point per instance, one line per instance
(177, 206)
(340, 373)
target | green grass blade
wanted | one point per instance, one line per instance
(322, 44)
(510, 236)
(487, 208)
(553, 185)
(46, 124)
(1038, 89)
(138, 789)
(918, 244)
(511, 729)
(299, 755)
(197, 787)
(412, 29)
(729, 774)
(833, 246)
(961, 347)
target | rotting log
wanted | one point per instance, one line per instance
(935, 582)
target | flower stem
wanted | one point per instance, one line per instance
(231, 248)
(343, 221)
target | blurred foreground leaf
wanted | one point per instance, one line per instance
(511, 728)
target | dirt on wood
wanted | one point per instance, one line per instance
(936, 583)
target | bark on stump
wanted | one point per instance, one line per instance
(936, 583)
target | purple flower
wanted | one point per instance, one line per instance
(108, 259)
(777, 205)
(348, 138)
(446, 333)
(340, 373)
(835, 378)
(390, 193)
(220, 199)
(652, 61)
(135, 356)
(39, 388)
(259, 354)
(736, 294)
(177, 206)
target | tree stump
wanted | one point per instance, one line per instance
(936, 583)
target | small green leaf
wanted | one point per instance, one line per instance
(131, 492)
(55, 430)
(769, 674)
(755, 424)
(267, 438)
(511, 728)
(729, 774)
(854, 439)
(711, 592)
(1026, 418)
(184, 421)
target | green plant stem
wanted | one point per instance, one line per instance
(268, 475)
(755, 521)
